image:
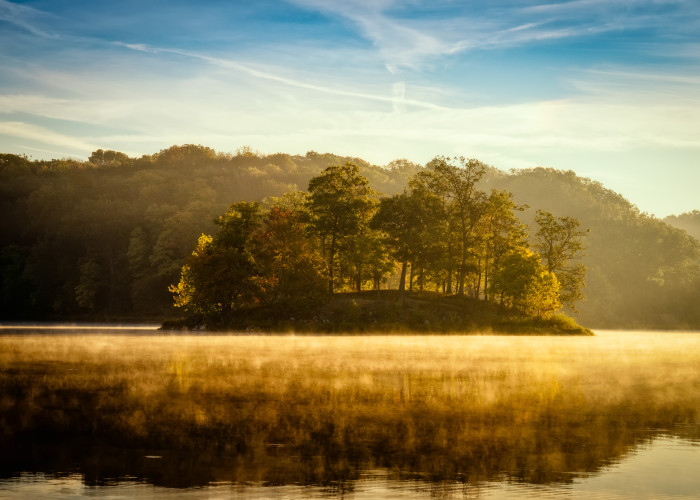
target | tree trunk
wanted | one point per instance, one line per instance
(478, 279)
(486, 279)
(462, 266)
(449, 268)
(402, 282)
(331, 263)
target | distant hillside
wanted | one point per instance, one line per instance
(688, 222)
(642, 272)
(105, 238)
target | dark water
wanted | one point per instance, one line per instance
(638, 462)
(666, 466)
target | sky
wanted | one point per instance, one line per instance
(607, 88)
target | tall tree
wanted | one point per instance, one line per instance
(290, 261)
(397, 218)
(559, 241)
(364, 258)
(340, 204)
(222, 274)
(499, 232)
(457, 184)
(409, 221)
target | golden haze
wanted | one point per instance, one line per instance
(440, 405)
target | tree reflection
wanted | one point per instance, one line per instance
(190, 411)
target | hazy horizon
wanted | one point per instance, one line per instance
(606, 89)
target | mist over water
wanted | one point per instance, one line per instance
(204, 416)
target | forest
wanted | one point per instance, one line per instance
(290, 259)
(108, 238)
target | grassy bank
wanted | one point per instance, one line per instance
(383, 312)
(320, 408)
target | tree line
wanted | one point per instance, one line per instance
(103, 238)
(339, 235)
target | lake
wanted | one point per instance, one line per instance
(128, 412)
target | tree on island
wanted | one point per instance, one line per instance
(340, 205)
(254, 259)
(522, 283)
(559, 241)
(408, 221)
(306, 246)
(499, 233)
(457, 184)
(222, 274)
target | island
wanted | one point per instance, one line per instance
(450, 257)
(381, 312)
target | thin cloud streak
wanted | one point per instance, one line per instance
(608, 120)
(43, 135)
(406, 43)
(505, 81)
(78, 109)
(226, 63)
(24, 17)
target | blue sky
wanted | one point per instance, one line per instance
(607, 88)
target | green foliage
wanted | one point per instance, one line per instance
(109, 158)
(411, 223)
(187, 155)
(254, 258)
(11, 165)
(291, 261)
(340, 205)
(284, 259)
(222, 274)
(525, 285)
(364, 259)
(499, 232)
(135, 221)
(89, 284)
(688, 222)
(558, 241)
(455, 180)
(641, 273)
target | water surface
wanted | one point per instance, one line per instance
(136, 414)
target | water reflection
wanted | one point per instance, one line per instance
(663, 467)
(348, 417)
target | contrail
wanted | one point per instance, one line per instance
(225, 63)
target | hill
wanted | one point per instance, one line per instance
(104, 238)
(688, 222)
(642, 272)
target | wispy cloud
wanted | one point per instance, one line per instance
(27, 131)
(572, 6)
(291, 82)
(77, 109)
(406, 42)
(55, 154)
(453, 85)
(400, 43)
(640, 86)
(26, 18)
